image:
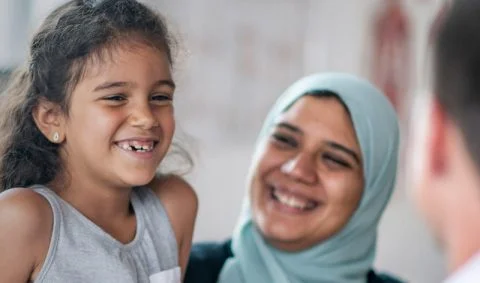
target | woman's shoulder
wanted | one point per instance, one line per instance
(374, 277)
(211, 251)
(206, 261)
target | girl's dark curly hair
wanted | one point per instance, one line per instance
(69, 37)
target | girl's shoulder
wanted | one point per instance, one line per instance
(181, 204)
(176, 195)
(173, 188)
(26, 222)
(26, 210)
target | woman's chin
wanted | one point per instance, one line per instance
(282, 236)
(288, 244)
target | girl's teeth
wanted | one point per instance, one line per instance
(136, 146)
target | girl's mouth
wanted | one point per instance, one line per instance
(137, 145)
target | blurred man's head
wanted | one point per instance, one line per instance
(445, 160)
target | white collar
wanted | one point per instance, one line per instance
(467, 273)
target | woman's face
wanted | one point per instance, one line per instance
(309, 177)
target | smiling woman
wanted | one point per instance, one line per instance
(322, 173)
(308, 180)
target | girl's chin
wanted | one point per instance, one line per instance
(139, 181)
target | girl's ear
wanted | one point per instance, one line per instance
(50, 119)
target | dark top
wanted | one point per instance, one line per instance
(207, 259)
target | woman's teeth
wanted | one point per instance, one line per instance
(292, 201)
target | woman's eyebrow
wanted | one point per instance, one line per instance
(289, 127)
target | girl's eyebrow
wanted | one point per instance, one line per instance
(167, 82)
(109, 85)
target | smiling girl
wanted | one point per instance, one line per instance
(82, 132)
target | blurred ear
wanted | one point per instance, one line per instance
(49, 118)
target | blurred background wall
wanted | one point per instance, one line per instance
(236, 58)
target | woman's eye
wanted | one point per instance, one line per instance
(284, 140)
(336, 161)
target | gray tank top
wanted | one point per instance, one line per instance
(80, 251)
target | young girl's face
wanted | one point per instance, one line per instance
(120, 124)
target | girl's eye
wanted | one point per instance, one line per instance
(116, 97)
(284, 140)
(161, 97)
(336, 162)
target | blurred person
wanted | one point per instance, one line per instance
(82, 133)
(322, 173)
(445, 155)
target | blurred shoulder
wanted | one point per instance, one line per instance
(374, 277)
(207, 260)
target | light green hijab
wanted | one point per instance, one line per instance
(347, 256)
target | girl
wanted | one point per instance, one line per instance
(82, 131)
(322, 173)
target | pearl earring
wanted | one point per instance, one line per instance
(56, 137)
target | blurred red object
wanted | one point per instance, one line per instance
(391, 51)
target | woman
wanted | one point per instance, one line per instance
(322, 173)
